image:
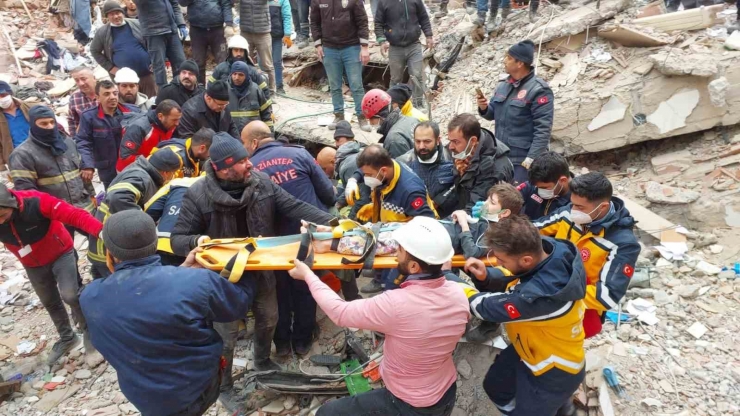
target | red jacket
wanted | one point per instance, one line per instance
(39, 223)
(140, 137)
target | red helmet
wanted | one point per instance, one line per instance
(374, 101)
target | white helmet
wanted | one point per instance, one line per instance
(426, 239)
(126, 76)
(238, 41)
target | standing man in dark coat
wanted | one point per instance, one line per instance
(255, 26)
(207, 18)
(235, 201)
(164, 29)
(522, 107)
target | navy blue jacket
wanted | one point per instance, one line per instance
(208, 13)
(99, 136)
(523, 111)
(438, 176)
(294, 170)
(154, 325)
(535, 207)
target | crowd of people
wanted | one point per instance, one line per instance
(183, 164)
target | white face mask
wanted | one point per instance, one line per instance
(6, 101)
(430, 160)
(548, 193)
(582, 218)
(122, 23)
(464, 154)
(373, 182)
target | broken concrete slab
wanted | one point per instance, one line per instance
(571, 67)
(672, 113)
(630, 37)
(717, 90)
(568, 44)
(577, 20)
(677, 62)
(647, 220)
(611, 112)
(664, 194)
(692, 19)
(672, 162)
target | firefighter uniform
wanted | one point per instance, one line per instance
(609, 251)
(191, 167)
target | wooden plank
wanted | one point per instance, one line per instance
(647, 220)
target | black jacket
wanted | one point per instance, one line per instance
(401, 22)
(159, 17)
(489, 166)
(209, 210)
(208, 13)
(196, 114)
(437, 176)
(177, 92)
(339, 23)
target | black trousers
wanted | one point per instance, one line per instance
(203, 39)
(383, 402)
(204, 401)
(296, 311)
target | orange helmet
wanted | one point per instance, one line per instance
(374, 101)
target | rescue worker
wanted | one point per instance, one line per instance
(192, 151)
(246, 101)
(396, 195)
(541, 308)
(32, 227)
(293, 169)
(184, 85)
(396, 129)
(147, 131)
(238, 51)
(211, 23)
(178, 371)
(522, 107)
(131, 189)
(401, 99)
(128, 90)
(422, 322)
(326, 158)
(479, 162)
(233, 201)
(164, 208)
(208, 110)
(99, 136)
(14, 126)
(431, 161)
(601, 227)
(548, 188)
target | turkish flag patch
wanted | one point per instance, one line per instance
(585, 254)
(130, 145)
(229, 160)
(521, 186)
(417, 203)
(628, 270)
(512, 311)
(542, 100)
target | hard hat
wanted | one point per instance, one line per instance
(426, 239)
(238, 41)
(374, 101)
(126, 76)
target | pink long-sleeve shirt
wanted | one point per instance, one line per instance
(422, 322)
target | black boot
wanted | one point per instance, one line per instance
(533, 6)
(491, 26)
(337, 118)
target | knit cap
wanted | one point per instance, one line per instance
(189, 66)
(400, 94)
(344, 129)
(7, 200)
(39, 112)
(5, 88)
(523, 51)
(130, 235)
(226, 151)
(218, 90)
(166, 160)
(239, 66)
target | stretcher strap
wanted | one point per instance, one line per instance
(369, 256)
(234, 269)
(305, 250)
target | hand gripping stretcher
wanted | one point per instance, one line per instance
(232, 256)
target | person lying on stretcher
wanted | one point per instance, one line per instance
(464, 231)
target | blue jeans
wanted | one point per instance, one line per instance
(383, 402)
(161, 47)
(277, 60)
(336, 63)
(80, 11)
(495, 5)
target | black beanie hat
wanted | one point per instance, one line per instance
(190, 66)
(344, 129)
(523, 51)
(218, 90)
(226, 151)
(400, 94)
(166, 160)
(38, 112)
(130, 235)
(7, 200)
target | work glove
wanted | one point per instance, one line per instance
(477, 209)
(228, 32)
(351, 191)
(183, 32)
(287, 42)
(527, 163)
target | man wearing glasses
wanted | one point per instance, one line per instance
(208, 110)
